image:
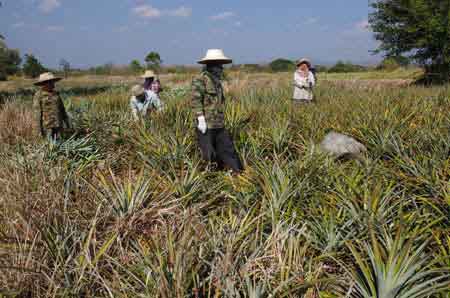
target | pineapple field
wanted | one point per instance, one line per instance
(127, 209)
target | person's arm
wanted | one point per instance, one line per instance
(63, 112)
(37, 108)
(155, 101)
(312, 79)
(198, 95)
(299, 81)
(197, 103)
(134, 109)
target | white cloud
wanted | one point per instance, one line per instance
(222, 16)
(311, 21)
(147, 11)
(18, 25)
(181, 11)
(48, 6)
(150, 12)
(55, 28)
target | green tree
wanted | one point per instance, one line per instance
(280, 65)
(65, 67)
(32, 67)
(136, 66)
(344, 67)
(153, 60)
(419, 29)
(9, 61)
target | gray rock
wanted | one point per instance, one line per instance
(342, 146)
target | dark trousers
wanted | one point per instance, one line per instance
(217, 146)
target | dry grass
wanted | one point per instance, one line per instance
(127, 209)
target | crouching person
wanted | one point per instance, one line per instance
(138, 103)
(208, 103)
(49, 108)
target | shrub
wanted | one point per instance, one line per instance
(9, 62)
(32, 67)
(282, 65)
(342, 67)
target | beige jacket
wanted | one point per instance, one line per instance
(303, 86)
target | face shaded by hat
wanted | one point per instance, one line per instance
(215, 56)
(45, 78)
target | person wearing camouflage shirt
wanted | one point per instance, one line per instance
(49, 108)
(208, 104)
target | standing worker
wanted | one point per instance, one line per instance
(304, 82)
(49, 108)
(208, 103)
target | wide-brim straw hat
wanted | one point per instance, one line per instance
(46, 77)
(215, 56)
(148, 74)
(137, 90)
(305, 61)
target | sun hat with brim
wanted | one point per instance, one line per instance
(46, 77)
(304, 61)
(137, 90)
(216, 56)
(148, 74)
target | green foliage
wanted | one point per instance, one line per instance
(419, 29)
(32, 67)
(136, 66)
(126, 209)
(282, 65)
(396, 267)
(393, 63)
(153, 60)
(105, 69)
(343, 67)
(9, 61)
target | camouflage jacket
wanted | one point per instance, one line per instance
(49, 111)
(208, 100)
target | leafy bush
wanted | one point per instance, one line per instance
(282, 65)
(343, 67)
(9, 61)
(32, 67)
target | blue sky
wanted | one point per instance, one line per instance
(92, 32)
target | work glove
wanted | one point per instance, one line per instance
(202, 124)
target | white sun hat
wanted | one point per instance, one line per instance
(215, 55)
(148, 74)
(46, 77)
(304, 60)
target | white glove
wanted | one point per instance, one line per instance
(202, 124)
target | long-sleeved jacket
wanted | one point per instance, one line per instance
(154, 100)
(208, 100)
(49, 111)
(139, 108)
(303, 86)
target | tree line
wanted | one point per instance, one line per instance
(408, 32)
